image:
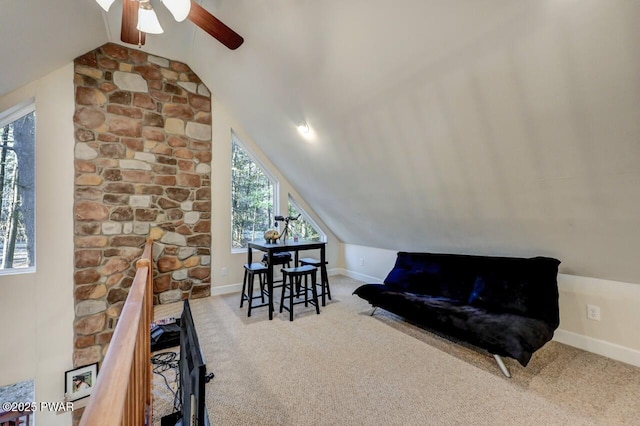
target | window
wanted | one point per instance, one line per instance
(304, 227)
(17, 184)
(253, 195)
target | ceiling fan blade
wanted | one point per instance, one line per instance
(225, 35)
(129, 33)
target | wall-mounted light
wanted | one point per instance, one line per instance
(147, 19)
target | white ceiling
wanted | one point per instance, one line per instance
(40, 36)
(505, 127)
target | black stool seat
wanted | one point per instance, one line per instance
(247, 293)
(325, 290)
(294, 285)
(281, 258)
(300, 270)
(255, 267)
(311, 261)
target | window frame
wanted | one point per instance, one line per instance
(8, 116)
(305, 215)
(274, 183)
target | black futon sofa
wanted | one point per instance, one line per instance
(507, 306)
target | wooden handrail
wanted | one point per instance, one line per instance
(122, 393)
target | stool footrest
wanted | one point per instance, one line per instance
(325, 291)
(248, 295)
(310, 302)
(297, 289)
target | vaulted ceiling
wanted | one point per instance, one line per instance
(498, 127)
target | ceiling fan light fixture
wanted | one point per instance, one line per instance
(105, 4)
(148, 20)
(178, 8)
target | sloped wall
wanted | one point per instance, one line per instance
(142, 169)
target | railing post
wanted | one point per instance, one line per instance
(147, 262)
(122, 394)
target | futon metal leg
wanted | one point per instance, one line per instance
(503, 367)
(373, 310)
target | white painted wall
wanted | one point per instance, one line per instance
(222, 257)
(487, 126)
(36, 310)
(615, 335)
(368, 264)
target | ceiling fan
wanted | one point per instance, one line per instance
(138, 19)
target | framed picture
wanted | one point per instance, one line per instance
(79, 382)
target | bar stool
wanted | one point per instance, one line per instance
(249, 276)
(282, 258)
(296, 289)
(324, 277)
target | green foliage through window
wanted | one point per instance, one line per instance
(17, 185)
(252, 195)
(302, 227)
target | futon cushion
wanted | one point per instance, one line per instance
(501, 333)
(433, 275)
(508, 306)
(520, 286)
(497, 293)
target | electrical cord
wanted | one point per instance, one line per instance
(166, 361)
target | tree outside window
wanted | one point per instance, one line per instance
(252, 198)
(17, 184)
(304, 227)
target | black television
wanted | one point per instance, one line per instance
(192, 376)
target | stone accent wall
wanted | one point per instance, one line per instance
(142, 169)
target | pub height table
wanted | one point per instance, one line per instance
(288, 245)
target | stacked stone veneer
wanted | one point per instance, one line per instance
(142, 169)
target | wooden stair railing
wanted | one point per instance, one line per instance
(122, 393)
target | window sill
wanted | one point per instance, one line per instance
(18, 271)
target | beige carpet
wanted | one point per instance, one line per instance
(344, 367)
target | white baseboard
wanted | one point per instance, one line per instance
(226, 289)
(358, 276)
(597, 346)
